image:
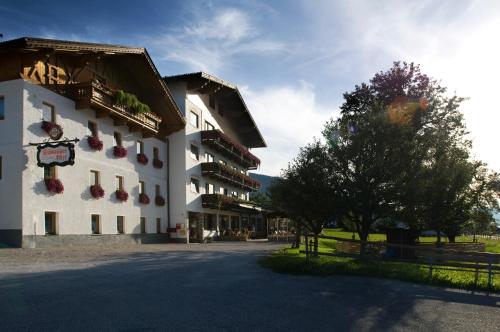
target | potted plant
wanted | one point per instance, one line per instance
(121, 195)
(157, 163)
(143, 199)
(119, 152)
(159, 200)
(142, 159)
(96, 191)
(54, 186)
(95, 143)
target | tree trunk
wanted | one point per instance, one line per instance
(451, 238)
(438, 236)
(363, 236)
(298, 234)
(315, 245)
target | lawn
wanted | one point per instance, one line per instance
(292, 262)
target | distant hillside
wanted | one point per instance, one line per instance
(265, 180)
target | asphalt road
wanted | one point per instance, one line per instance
(216, 287)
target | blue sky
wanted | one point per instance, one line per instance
(293, 60)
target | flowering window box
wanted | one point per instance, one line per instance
(119, 152)
(54, 186)
(142, 159)
(159, 200)
(52, 129)
(96, 191)
(143, 199)
(157, 163)
(121, 195)
(95, 143)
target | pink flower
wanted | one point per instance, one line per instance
(142, 159)
(96, 191)
(119, 152)
(143, 199)
(95, 143)
(121, 195)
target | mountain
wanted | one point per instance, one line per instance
(265, 180)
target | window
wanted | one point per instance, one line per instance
(119, 182)
(209, 158)
(143, 225)
(48, 112)
(156, 153)
(49, 172)
(2, 108)
(223, 191)
(208, 222)
(142, 187)
(223, 162)
(221, 110)
(117, 139)
(209, 126)
(158, 225)
(195, 185)
(195, 152)
(95, 221)
(50, 223)
(209, 188)
(193, 119)
(120, 229)
(234, 193)
(211, 101)
(243, 196)
(92, 128)
(157, 190)
(140, 147)
(94, 178)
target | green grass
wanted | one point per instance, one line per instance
(290, 261)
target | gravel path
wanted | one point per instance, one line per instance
(215, 287)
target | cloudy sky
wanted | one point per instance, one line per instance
(293, 60)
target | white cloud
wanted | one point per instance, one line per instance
(288, 117)
(212, 41)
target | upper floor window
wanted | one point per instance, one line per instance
(117, 139)
(92, 128)
(195, 152)
(48, 112)
(157, 190)
(142, 187)
(195, 185)
(223, 162)
(234, 193)
(194, 119)
(119, 182)
(209, 158)
(156, 153)
(49, 172)
(2, 108)
(223, 191)
(94, 178)
(209, 126)
(140, 147)
(209, 188)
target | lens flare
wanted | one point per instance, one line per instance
(403, 110)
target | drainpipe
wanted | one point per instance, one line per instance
(168, 185)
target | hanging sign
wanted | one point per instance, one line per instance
(60, 154)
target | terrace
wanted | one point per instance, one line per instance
(222, 143)
(226, 174)
(222, 202)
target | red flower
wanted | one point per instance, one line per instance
(159, 200)
(54, 186)
(96, 191)
(142, 159)
(143, 199)
(121, 195)
(119, 152)
(48, 126)
(157, 163)
(95, 143)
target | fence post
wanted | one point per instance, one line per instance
(307, 248)
(490, 274)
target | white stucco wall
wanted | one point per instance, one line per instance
(75, 206)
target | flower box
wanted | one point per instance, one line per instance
(52, 129)
(121, 195)
(54, 186)
(159, 200)
(142, 159)
(143, 199)
(119, 152)
(96, 191)
(95, 143)
(157, 163)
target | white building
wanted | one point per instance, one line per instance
(75, 86)
(210, 159)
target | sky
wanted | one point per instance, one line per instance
(293, 60)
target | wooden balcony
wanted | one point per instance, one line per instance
(102, 100)
(226, 203)
(222, 143)
(228, 175)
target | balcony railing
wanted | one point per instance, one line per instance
(225, 145)
(97, 96)
(222, 202)
(230, 176)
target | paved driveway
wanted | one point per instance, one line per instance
(215, 287)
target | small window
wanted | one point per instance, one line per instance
(193, 119)
(157, 190)
(140, 147)
(119, 182)
(223, 191)
(195, 152)
(221, 109)
(117, 137)
(234, 193)
(156, 153)
(209, 188)
(50, 223)
(2, 108)
(211, 101)
(209, 126)
(95, 221)
(94, 178)
(195, 185)
(120, 227)
(92, 128)
(142, 187)
(143, 225)
(243, 196)
(158, 225)
(49, 172)
(48, 112)
(209, 158)
(223, 162)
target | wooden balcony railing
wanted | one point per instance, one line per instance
(227, 174)
(225, 145)
(222, 202)
(97, 96)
